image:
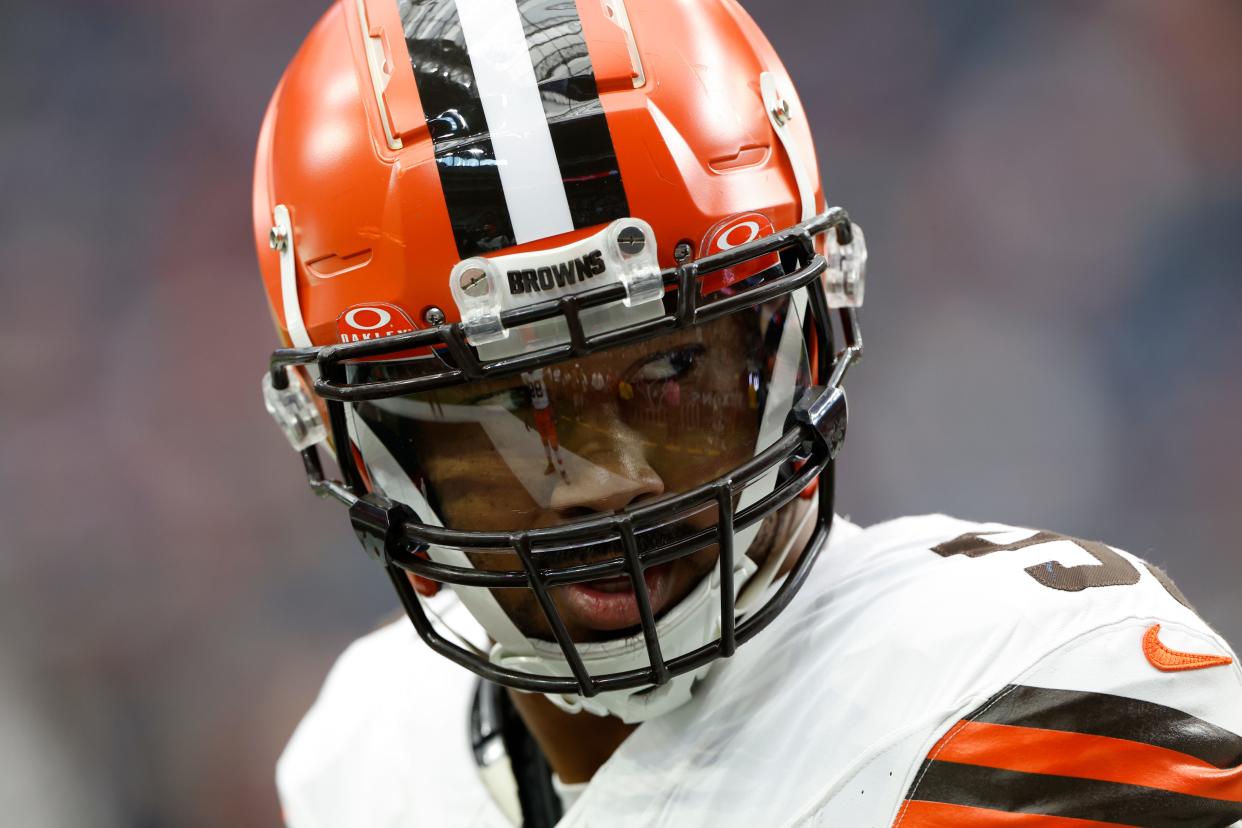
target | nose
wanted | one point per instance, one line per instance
(616, 475)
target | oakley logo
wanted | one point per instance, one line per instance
(381, 316)
(736, 231)
(561, 275)
(741, 233)
(364, 322)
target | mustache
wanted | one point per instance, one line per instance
(648, 541)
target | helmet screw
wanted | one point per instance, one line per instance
(632, 241)
(682, 252)
(434, 317)
(474, 283)
(278, 238)
(782, 112)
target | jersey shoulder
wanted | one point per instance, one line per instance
(1086, 687)
(386, 742)
(938, 575)
(901, 630)
(1135, 723)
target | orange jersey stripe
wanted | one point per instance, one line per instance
(1102, 758)
(941, 815)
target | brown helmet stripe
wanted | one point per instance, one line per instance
(570, 94)
(522, 145)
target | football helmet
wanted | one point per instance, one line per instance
(560, 293)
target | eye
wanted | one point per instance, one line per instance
(668, 365)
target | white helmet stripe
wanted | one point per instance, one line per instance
(525, 156)
(282, 230)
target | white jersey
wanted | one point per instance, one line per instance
(932, 672)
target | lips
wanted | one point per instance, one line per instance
(610, 603)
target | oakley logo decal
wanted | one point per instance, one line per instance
(381, 317)
(375, 321)
(735, 231)
(741, 233)
(560, 275)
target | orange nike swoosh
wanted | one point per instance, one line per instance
(1174, 661)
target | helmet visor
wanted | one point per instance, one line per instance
(594, 435)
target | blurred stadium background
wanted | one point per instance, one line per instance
(1053, 199)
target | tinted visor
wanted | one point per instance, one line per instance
(594, 435)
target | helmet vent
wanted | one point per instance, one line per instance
(753, 156)
(332, 265)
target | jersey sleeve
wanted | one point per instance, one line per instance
(1136, 723)
(385, 745)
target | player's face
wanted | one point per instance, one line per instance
(591, 437)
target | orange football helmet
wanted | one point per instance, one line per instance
(557, 287)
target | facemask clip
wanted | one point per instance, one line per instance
(846, 276)
(293, 410)
(379, 524)
(632, 251)
(477, 290)
(823, 412)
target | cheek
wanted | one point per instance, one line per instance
(475, 488)
(519, 604)
(711, 431)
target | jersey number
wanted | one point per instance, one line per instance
(1112, 569)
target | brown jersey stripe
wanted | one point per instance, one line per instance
(1118, 717)
(943, 815)
(1065, 796)
(1088, 757)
